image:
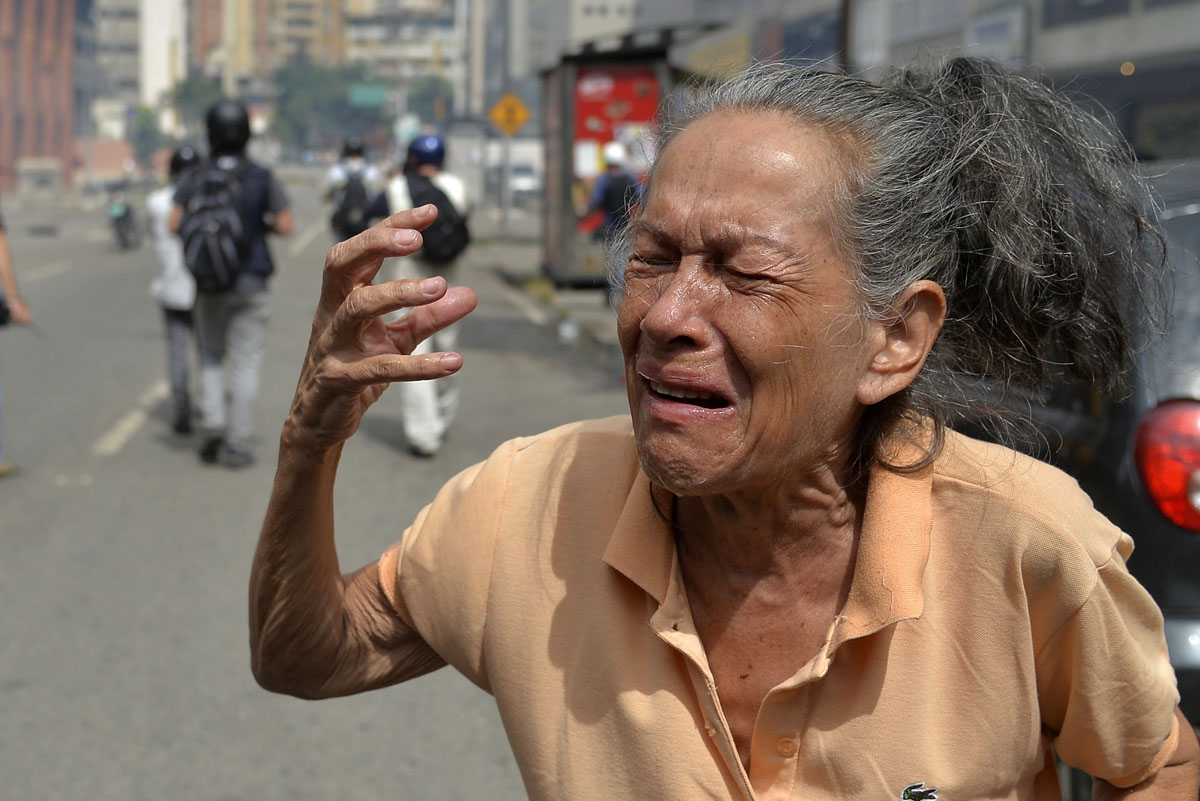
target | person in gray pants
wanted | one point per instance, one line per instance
(231, 325)
(174, 288)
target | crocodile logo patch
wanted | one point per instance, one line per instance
(919, 792)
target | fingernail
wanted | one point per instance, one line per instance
(426, 210)
(405, 237)
(431, 286)
(451, 361)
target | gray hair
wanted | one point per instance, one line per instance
(1025, 209)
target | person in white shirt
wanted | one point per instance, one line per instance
(353, 167)
(428, 407)
(174, 288)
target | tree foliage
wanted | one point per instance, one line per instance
(192, 97)
(144, 135)
(314, 109)
(431, 99)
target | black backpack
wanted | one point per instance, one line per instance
(448, 236)
(349, 216)
(214, 237)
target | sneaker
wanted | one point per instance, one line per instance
(232, 456)
(8, 469)
(210, 451)
(422, 453)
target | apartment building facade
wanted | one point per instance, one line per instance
(37, 89)
(405, 41)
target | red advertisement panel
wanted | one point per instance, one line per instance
(610, 98)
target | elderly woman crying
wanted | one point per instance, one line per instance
(782, 575)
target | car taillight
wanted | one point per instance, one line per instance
(1167, 450)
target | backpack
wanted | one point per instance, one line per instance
(349, 215)
(214, 237)
(618, 197)
(448, 236)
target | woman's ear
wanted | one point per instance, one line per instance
(908, 338)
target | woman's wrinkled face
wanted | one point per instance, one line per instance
(744, 349)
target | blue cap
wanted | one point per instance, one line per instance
(427, 149)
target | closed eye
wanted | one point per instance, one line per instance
(637, 259)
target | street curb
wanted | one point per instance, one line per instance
(590, 328)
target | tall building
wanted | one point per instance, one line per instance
(243, 42)
(163, 51)
(309, 29)
(204, 32)
(37, 89)
(403, 41)
(117, 38)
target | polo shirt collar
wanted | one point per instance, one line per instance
(642, 545)
(893, 549)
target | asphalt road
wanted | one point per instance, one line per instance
(124, 561)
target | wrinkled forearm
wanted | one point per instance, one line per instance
(314, 632)
(297, 591)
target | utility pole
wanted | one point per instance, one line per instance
(506, 150)
(844, 36)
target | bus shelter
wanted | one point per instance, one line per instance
(592, 100)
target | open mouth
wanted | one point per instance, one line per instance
(694, 397)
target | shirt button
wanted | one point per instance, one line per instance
(787, 746)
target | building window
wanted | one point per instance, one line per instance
(1063, 12)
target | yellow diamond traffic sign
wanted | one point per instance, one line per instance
(509, 114)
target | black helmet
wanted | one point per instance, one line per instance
(353, 147)
(426, 149)
(184, 158)
(228, 126)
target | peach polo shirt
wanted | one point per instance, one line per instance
(990, 617)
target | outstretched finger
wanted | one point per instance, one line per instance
(355, 261)
(364, 305)
(418, 219)
(427, 319)
(390, 368)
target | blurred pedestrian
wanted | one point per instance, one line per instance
(616, 192)
(12, 309)
(350, 186)
(429, 407)
(174, 288)
(231, 313)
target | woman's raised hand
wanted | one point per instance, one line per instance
(353, 354)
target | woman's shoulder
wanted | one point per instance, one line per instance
(1029, 505)
(586, 448)
(604, 432)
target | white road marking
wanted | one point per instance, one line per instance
(533, 312)
(119, 434)
(46, 270)
(297, 247)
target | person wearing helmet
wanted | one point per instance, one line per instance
(615, 193)
(350, 186)
(231, 318)
(173, 287)
(429, 407)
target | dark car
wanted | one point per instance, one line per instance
(1139, 457)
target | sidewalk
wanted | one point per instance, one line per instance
(581, 317)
